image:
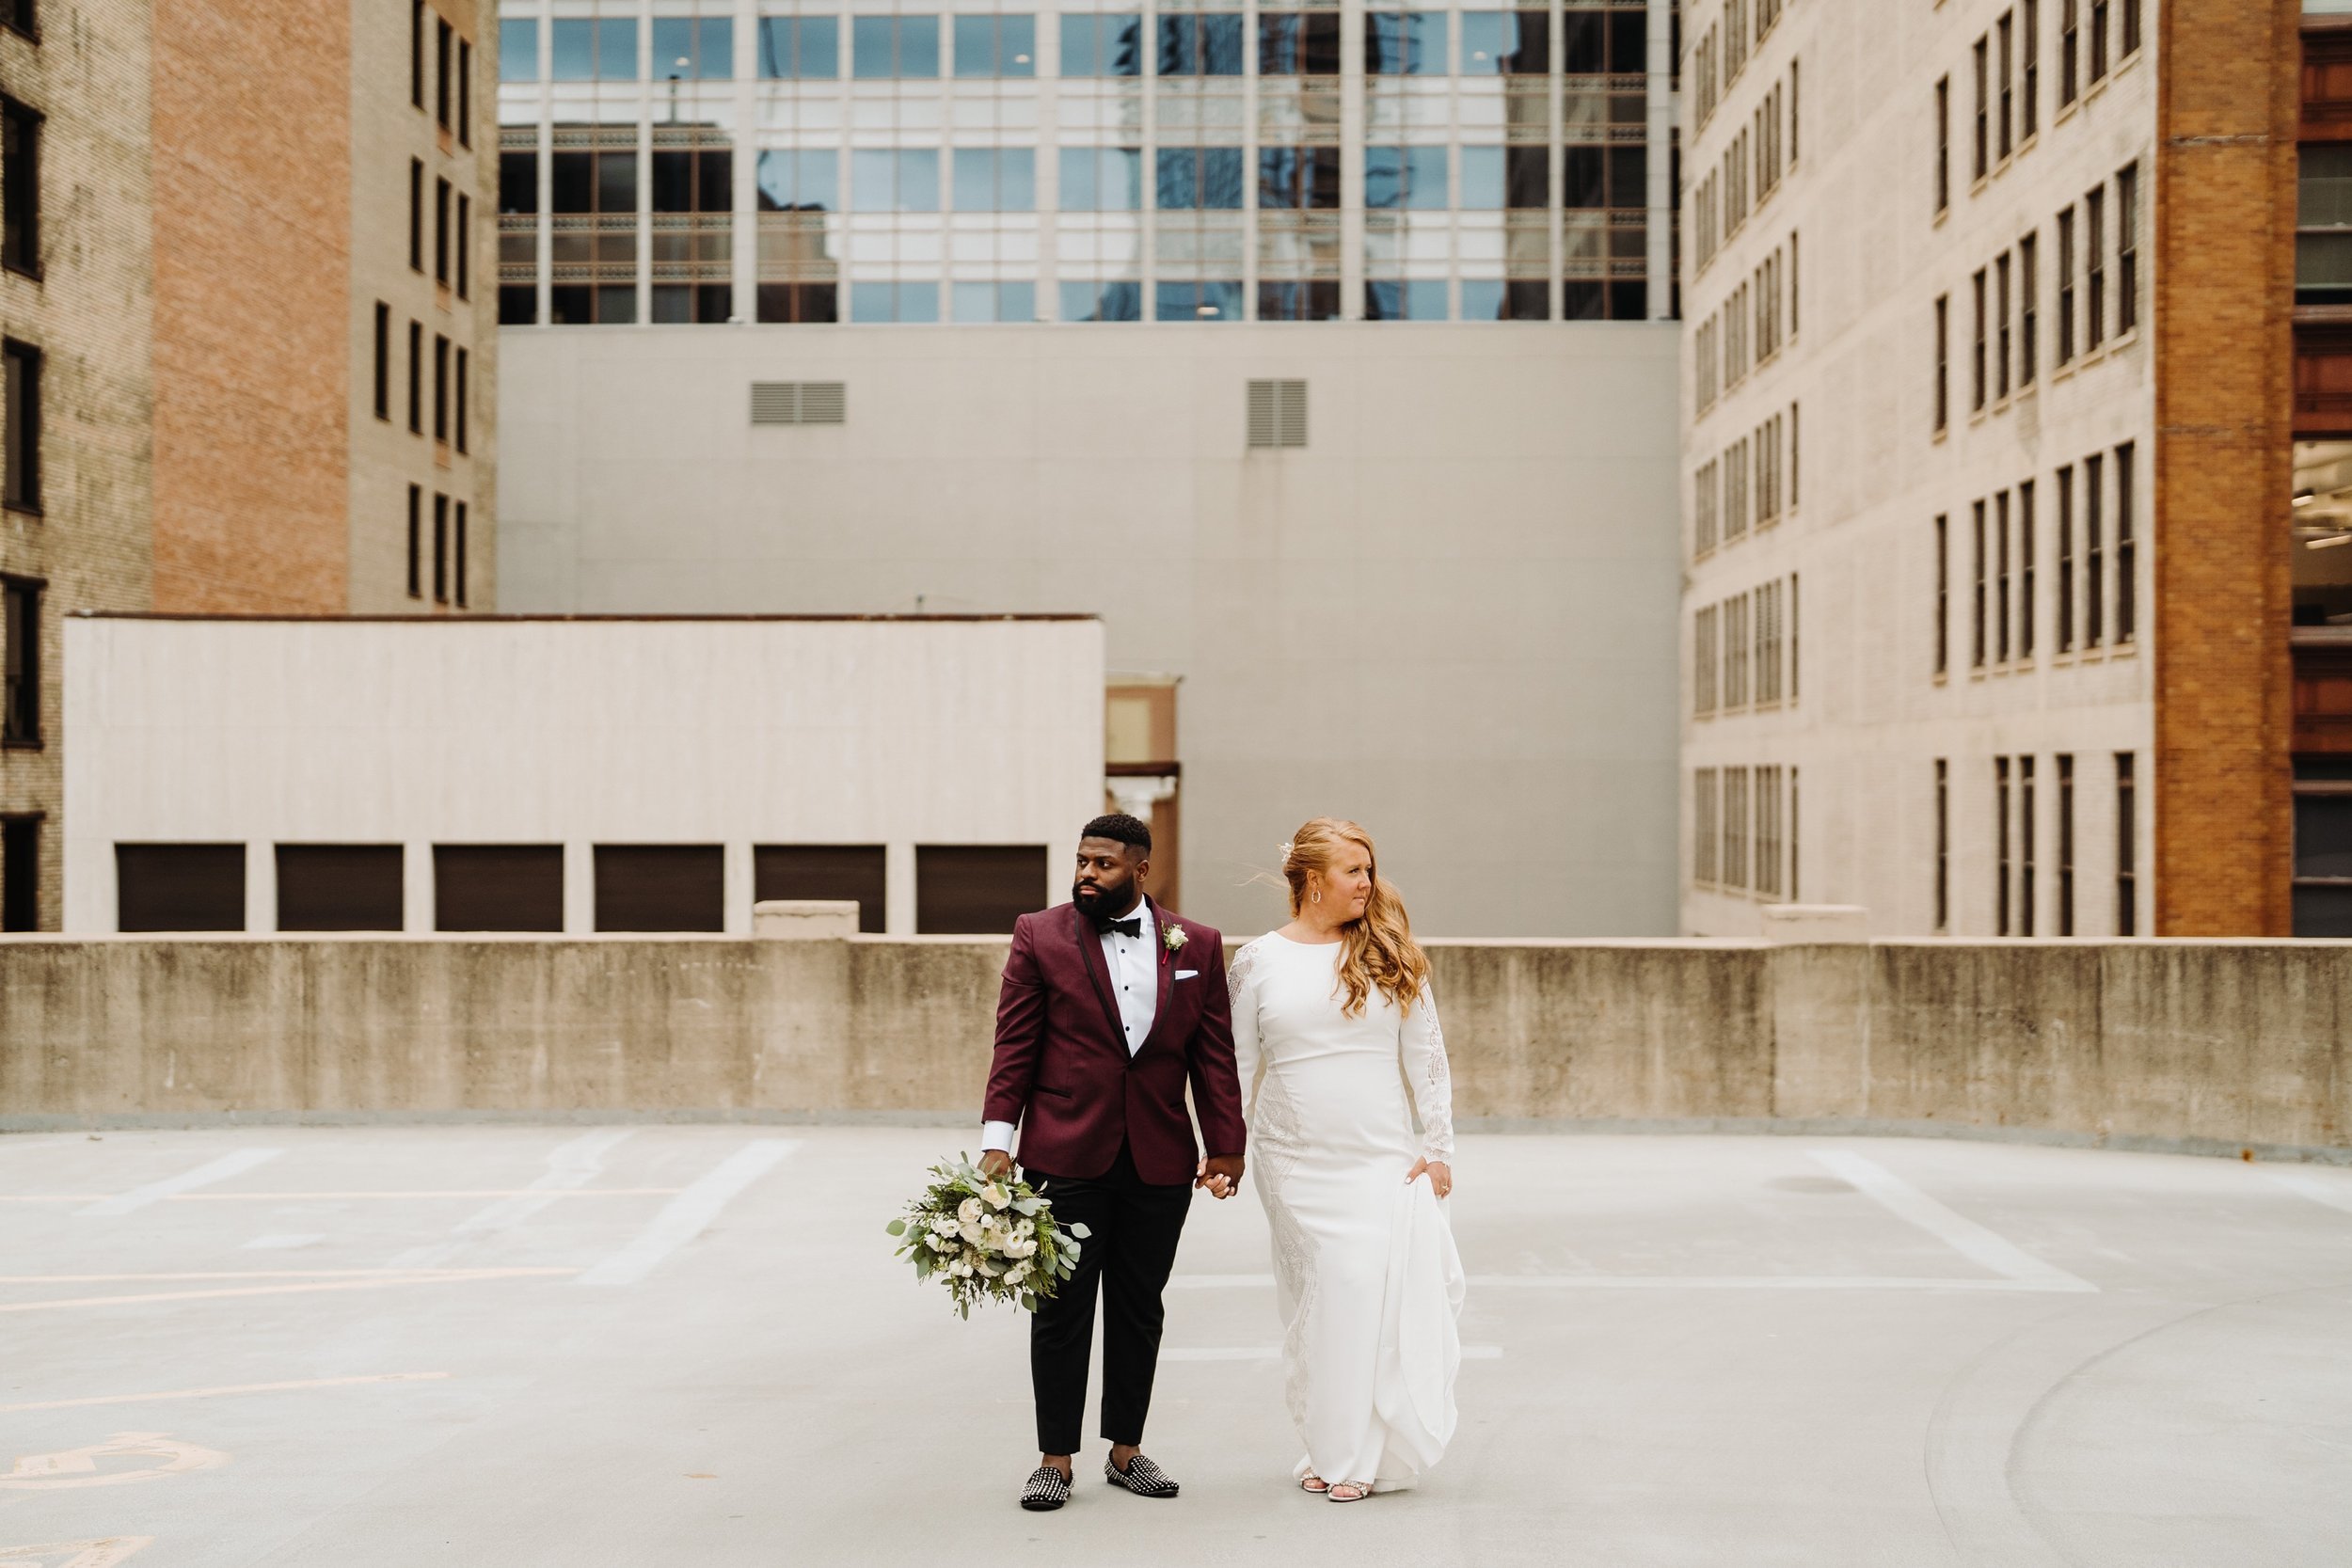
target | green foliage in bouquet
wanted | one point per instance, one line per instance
(988, 1241)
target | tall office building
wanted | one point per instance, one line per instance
(1321, 349)
(1987, 447)
(249, 334)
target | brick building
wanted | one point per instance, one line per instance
(249, 333)
(1988, 437)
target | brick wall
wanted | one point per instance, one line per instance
(2225, 203)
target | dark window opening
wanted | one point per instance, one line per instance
(2126, 846)
(383, 361)
(852, 871)
(498, 887)
(440, 230)
(20, 657)
(1305, 43)
(442, 36)
(465, 371)
(707, 304)
(464, 92)
(20, 874)
(441, 387)
(798, 302)
(518, 303)
(975, 890)
(415, 378)
(416, 214)
(440, 549)
(180, 887)
(661, 887)
(416, 53)
(416, 542)
(20, 425)
(20, 187)
(461, 555)
(465, 246)
(339, 887)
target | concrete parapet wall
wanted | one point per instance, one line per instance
(2192, 1044)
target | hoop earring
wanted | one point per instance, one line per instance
(1318, 898)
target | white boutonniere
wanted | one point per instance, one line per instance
(1174, 936)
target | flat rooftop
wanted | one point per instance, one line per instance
(384, 1346)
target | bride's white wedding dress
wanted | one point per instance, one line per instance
(1366, 1277)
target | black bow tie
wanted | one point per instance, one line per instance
(1131, 926)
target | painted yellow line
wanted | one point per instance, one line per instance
(280, 1289)
(250, 1274)
(232, 1388)
(314, 1197)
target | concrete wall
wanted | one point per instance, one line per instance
(1450, 615)
(482, 731)
(2204, 1045)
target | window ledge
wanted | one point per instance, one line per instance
(31, 273)
(17, 509)
(30, 743)
(1941, 214)
(2066, 111)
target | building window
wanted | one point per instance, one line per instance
(1296, 302)
(180, 887)
(1704, 826)
(2066, 560)
(2126, 846)
(2026, 609)
(1943, 144)
(1977, 605)
(599, 49)
(2323, 242)
(339, 887)
(441, 231)
(2070, 51)
(2001, 604)
(1795, 643)
(2000, 847)
(20, 425)
(463, 375)
(1006, 45)
(1976, 353)
(465, 245)
(2323, 847)
(1796, 887)
(498, 887)
(2127, 249)
(1735, 866)
(1507, 43)
(1703, 662)
(906, 47)
(1943, 367)
(2029, 92)
(1102, 44)
(2001, 340)
(808, 48)
(20, 657)
(2094, 556)
(416, 542)
(441, 387)
(2099, 9)
(1736, 621)
(2126, 550)
(1768, 831)
(855, 872)
(416, 53)
(461, 555)
(2028, 283)
(1942, 593)
(2131, 27)
(20, 187)
(2095, 272)
(694, 49)
(2066, 844)
(383, 361)
(20, 873)
(415, 378)
(1397, 43)
(464, 92)
(416, 214)
(2066, 287)
(2024, 847)
(1942, 846)
(975, 889)
(442, 82)
(440, 549)
(1981, 161)
(2007, 31)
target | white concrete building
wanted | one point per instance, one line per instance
(1320, 350)
(574, 775)
(1918, 461)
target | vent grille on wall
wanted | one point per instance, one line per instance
(798, 403)
(1278, 413)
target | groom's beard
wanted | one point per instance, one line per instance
(1104, 902)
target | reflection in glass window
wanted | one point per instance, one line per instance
(1102, 302)
(1411, 177)
(1596, 43)
(1507, 43)
(805, 181)
(894, 302)
(888, 46)
(1299, 177)
(693, 48)
(1316, 301)
(1482, 179)
(1193, 178)
(1492, 299)
(1590, 299)
(1194, 45)
(518, 51)
(519, 183)
(676, 304)
(593, 182)
(1404, 43)
(1198, 302)
(693, 182)
(799, 48)
(1298, 44)
(995, 302)
(996, 46)
(1409, 299)
(798, 303)
(603, 305)
(1102, 179)
(894, 180)
(995, 179)
(1527, 176)
(1102, 44)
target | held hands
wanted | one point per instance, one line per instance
(1440, 1176)
(996, 1162)
(1220, 1174)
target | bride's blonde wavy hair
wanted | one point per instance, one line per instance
(1377, 948)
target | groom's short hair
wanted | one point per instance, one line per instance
(1121, 827)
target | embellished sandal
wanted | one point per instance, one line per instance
(1047, 1489)
(1347, 1491)
(1312, 1483)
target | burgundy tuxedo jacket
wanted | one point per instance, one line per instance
(1062, 1072)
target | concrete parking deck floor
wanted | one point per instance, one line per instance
(581, 1346)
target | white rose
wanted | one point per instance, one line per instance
(996, 1196)
(969, 1210)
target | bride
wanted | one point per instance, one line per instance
(1336, 1038)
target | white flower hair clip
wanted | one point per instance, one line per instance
(1286, 851)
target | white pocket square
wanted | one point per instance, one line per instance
(1187, 974)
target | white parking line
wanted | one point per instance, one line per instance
(2335, 1194)
(1964, 1235)
(572, 1165)
(233, 1388)
(684, 1217)
(202, 1176)
(444, 1276)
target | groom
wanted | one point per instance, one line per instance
(1110, 1005)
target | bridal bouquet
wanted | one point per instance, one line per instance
(989, 1241)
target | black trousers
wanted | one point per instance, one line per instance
(1135, 1227)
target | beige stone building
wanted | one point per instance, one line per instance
(249, 333)
(1987, 442)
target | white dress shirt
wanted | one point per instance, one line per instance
(1135, 967)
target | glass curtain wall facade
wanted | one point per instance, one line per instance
(792, 160)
